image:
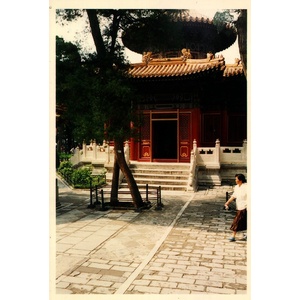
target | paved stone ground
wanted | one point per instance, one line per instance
(181, 249)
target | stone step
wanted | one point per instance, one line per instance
(155, 181)
(161, 176)
(166, 175)
(161, 166)
(158, 181)
(158, 171)
(164, 187)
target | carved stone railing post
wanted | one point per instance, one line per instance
(94, 149)
(108, 153)
(217, 148)
(84, 149)
(192, 181)
(194, 146)
(126, 152)
(244, 151)
(76, 155)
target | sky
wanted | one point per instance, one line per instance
(73, 32)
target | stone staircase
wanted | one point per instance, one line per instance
(170, 176)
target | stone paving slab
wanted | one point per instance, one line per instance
(182, 249)
(196, 257)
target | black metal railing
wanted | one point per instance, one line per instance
(149, 193)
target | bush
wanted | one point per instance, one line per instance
(64, 156)
(99, 179)
(66, 169)
(82, 176)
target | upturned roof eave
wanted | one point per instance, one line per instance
(165, 68)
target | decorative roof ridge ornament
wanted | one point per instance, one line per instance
(218, 58)
(236, 63)
(209, 56)
(234, 69)
(186, 54)
(146, 57)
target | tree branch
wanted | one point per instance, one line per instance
(97, 36)
(115, 28)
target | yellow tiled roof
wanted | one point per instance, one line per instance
(181, 66)
(234, 69)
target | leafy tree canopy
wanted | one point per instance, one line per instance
(95, 89)
(223, 17)
(108, 25)
(90, 98)
(238, 18)
(74, 78)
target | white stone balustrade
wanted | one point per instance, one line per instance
(215, 156)
(215, 164)
(93, 153)
(208, 165)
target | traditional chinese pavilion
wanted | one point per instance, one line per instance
(186, 92)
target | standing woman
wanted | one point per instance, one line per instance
(240, 194)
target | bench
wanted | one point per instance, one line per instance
(124, 197)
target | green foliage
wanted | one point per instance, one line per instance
(82, 176)
(64, 156)
(64, 16)
(98, 179)
(67, 53)
(221, 18)
(76, 87)
(116, 99)
(65, 169)
(238, 19)
(94, 93)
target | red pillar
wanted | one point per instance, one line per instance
(132, 147)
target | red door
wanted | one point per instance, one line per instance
(166, 136)
(145, 143)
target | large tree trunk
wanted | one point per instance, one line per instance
(134, 190)
(115, 183)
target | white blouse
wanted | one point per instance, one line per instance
(240, 194)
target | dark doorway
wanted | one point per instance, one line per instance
(164, 139)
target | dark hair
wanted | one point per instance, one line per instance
(241, 177)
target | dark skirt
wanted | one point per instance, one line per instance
(240, 221)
